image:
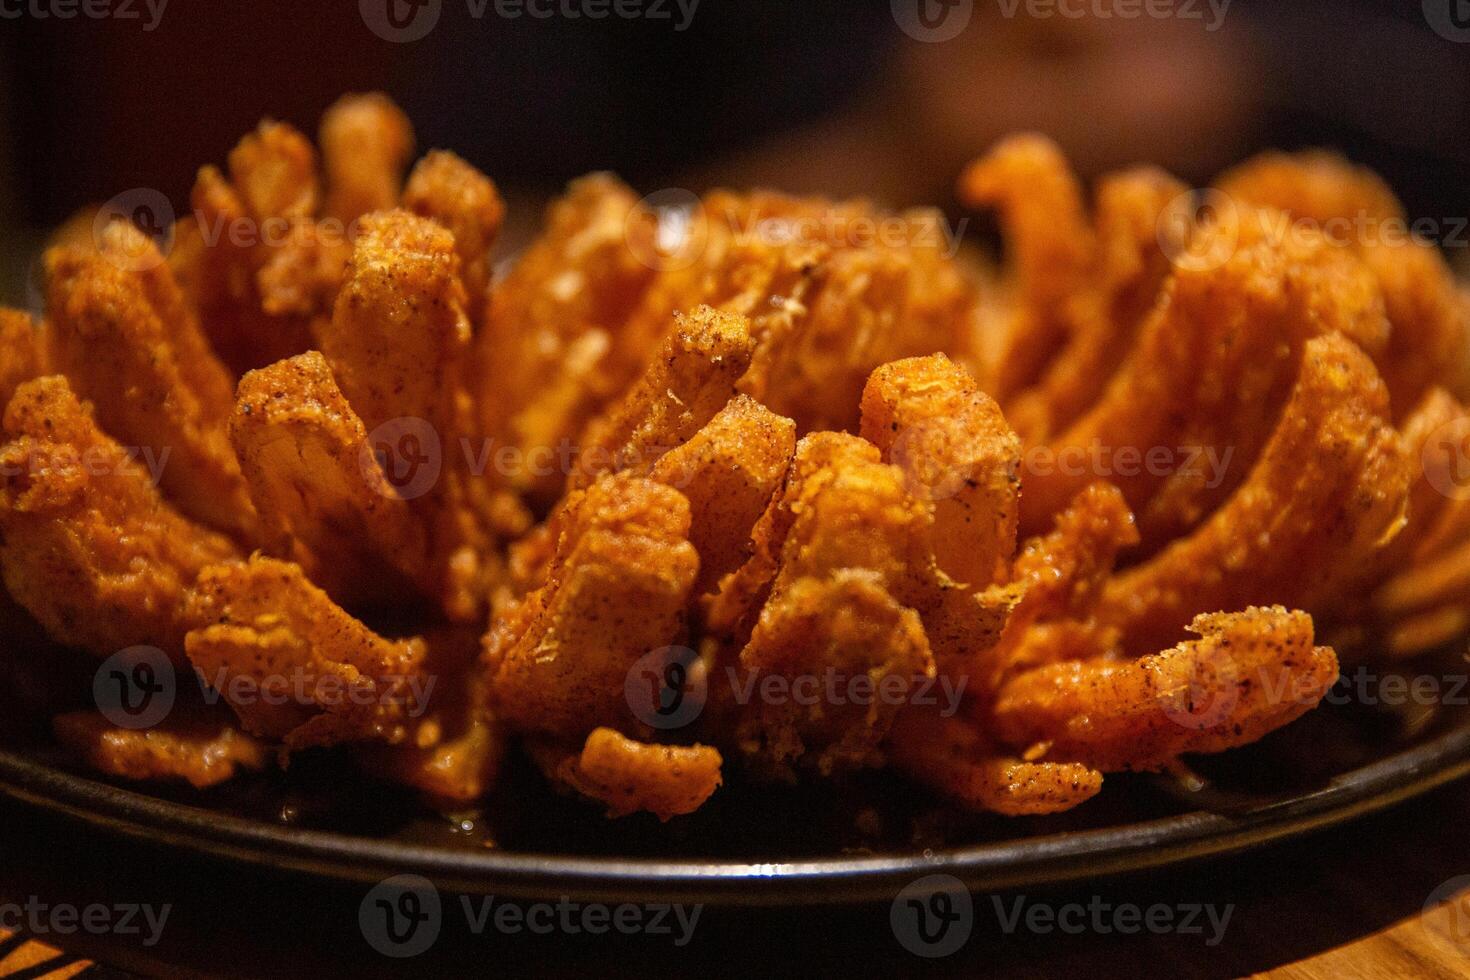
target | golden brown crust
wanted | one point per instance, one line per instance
(322, 498)
(728, 471)
(1247, 674)
(398, 345)
(638, 380)
(1060, 578)
(1103, 318)
(631, 777)
(127, 342)
(293, 665)
(541, 355)
(200, 752)
(1028, 180)
(617, 589)
(445, 188)
(692, 378)
(1431, 327)
(90, 548)
(1212, 366)
(927, 415)
(366, 142)
(1328, 491)
(953, 757)
(1421, 583)
(832, 633)
(253, 259)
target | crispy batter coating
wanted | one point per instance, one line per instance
(842, 588)
(617, 589)
(252, 258)
(728, 471)
(851, 510)
(398, 333)
(540, 355)
(1247, 674)
(1434, 435)
(1430, 325)
(639, 377)
(1065, 571)
(1028, 180)
(23, 353)
(1314, 183)
(842, 508)
(201, 751)
(1421, 581)
(833, 290)
(1211, 370)
(128, 343)
(293, 665)
(843, 633)
(632, 777)
(865, 306)
(89, 547)
(323, 500)
(927, 415)
(459, 197)
(274, 171)
(398, 344)
(1431, 321)
(692, 378)
(1061, 577)
(955, 758)
(366, 142)
(1328, 491)
(1103, 318)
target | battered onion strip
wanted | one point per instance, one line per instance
(322, 497)
(1327, 493)
(953, 757)
(1247, 674)
(628, 776)
(87, 544)
(294, 666)
(366, 141)
(927, 415)
(617, 589)
(128, 343)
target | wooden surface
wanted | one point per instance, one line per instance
(1346, 904)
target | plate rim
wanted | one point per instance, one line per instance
(1044, 860)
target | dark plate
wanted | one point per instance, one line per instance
(862, 839)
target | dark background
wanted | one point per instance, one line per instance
(813, 95)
